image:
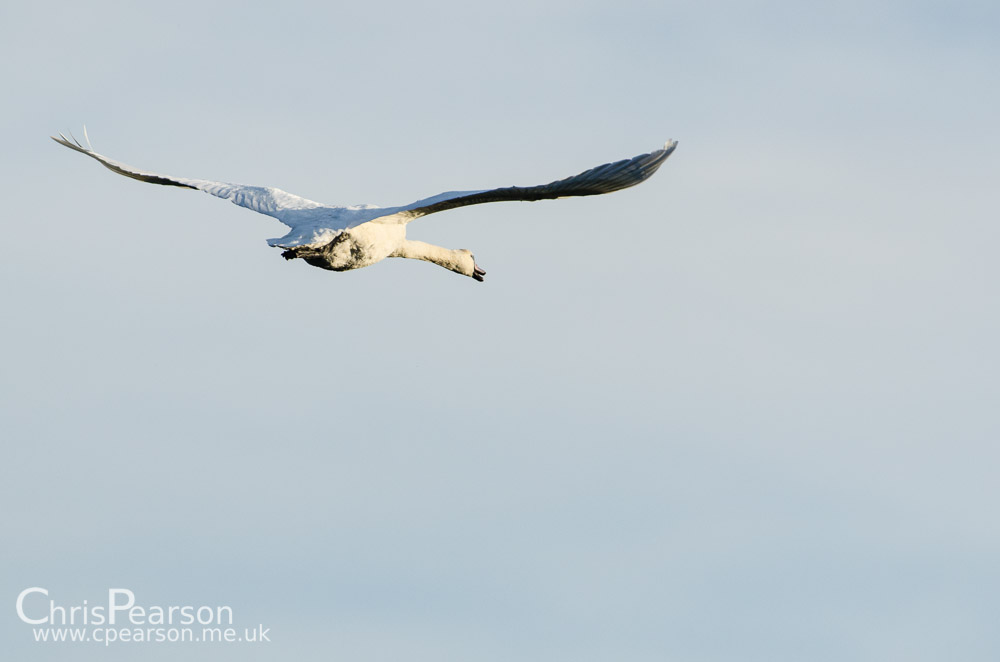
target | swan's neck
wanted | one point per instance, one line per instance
(459, 261)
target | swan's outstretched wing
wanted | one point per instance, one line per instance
(311, 222)
(602, 179)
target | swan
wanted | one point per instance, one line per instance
(343, 238)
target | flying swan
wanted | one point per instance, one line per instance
(343, 238)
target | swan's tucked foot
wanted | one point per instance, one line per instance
(289, 254)
(478, 273)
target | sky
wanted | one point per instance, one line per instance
(746, 410)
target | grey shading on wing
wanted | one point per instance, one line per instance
(605, 178)
(311, 222)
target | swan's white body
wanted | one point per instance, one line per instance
(343, 238)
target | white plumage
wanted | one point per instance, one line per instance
(342, 238)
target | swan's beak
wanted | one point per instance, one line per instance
(478, 273)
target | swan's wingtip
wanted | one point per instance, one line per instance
(71, 142)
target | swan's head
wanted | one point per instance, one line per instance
(467, 265)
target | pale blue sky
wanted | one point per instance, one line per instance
(746, 410)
